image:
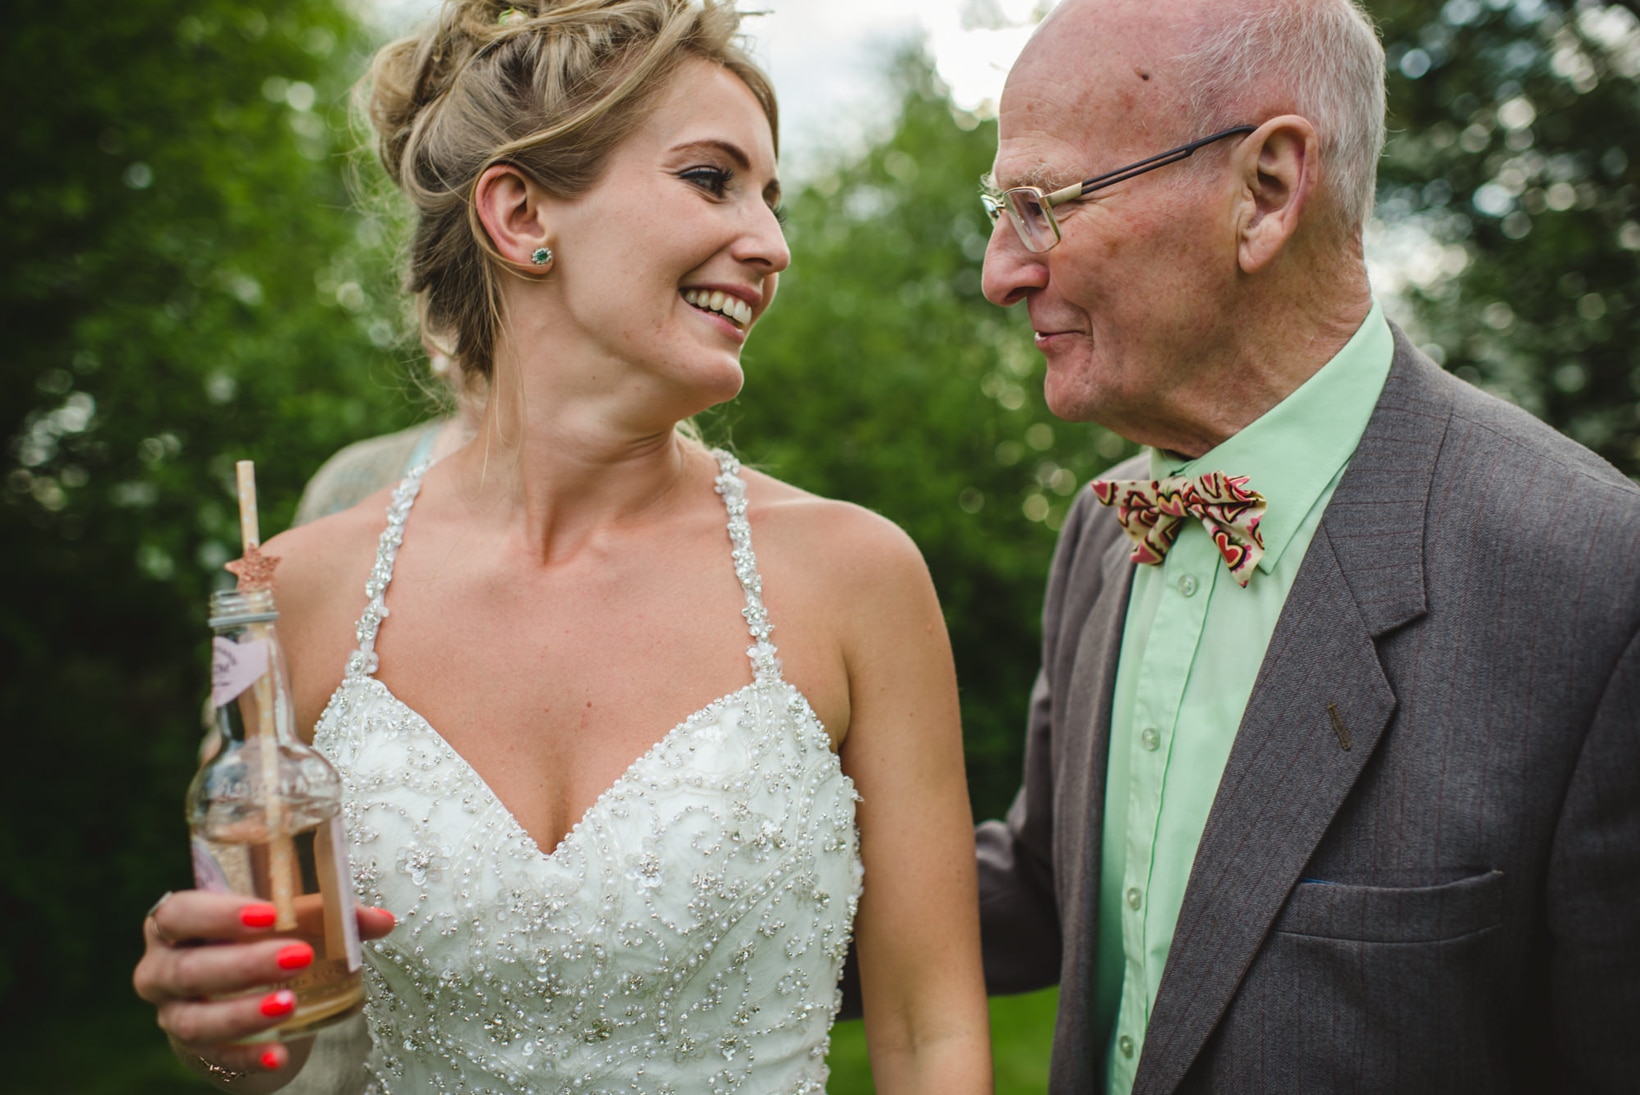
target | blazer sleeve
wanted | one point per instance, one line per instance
(1019, 915)
(1019, 908)
(1594, 897)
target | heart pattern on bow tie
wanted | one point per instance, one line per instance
(1152, 511)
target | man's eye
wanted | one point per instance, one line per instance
(713, 180)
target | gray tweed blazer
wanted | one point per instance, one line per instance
(1421, 872)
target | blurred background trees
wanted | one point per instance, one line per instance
(187, 279)
(181, 284)
(1514, 151)
(884, 377)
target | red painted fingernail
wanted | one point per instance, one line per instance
(258, 916)
(282, 1002)
(296, 956)
(270, 1060)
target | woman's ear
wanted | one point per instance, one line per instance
(1280, 168)
(512, 208)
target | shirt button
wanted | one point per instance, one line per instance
(1125, 1044)
(1187, 585)
(1134, 898)
(1151, 739)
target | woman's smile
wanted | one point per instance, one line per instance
(717, 302)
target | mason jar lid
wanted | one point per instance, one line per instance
(232, 607)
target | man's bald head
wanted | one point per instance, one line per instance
(1178, 69)
(1179, 305)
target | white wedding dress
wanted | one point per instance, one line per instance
(685, 937)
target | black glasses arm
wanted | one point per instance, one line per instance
(1161, 159)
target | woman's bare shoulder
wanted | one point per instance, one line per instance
(847, 545)
(325, 558)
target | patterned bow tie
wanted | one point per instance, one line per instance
(1150, 510)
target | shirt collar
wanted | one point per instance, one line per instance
(1292, 452)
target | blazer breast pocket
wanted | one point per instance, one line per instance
(1376, 990)
(1394, 914)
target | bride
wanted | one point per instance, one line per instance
(587, 900)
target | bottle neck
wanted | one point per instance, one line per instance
(248, 685)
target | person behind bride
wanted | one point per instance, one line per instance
(360, 469)
(586, 900)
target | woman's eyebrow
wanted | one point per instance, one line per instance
(728, 148)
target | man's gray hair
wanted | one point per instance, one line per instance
(1322, 58)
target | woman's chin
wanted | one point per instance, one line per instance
(715, 387)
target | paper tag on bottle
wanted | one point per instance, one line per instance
(235, 667)
(208, 873)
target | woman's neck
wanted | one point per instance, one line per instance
(557, 473)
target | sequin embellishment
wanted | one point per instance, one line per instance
(686, 936)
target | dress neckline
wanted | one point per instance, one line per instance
(809, 720)
(766, 671)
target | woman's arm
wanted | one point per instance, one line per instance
(917, 933)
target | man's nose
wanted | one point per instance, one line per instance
(1011, 271)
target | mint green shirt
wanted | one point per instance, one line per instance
(1192, 645)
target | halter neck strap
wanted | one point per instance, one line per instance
(765, 663)
(363, 662)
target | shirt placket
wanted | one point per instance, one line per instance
(1164, 669)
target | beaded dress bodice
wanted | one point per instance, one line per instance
(685, 937)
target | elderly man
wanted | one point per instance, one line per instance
(1332, 780)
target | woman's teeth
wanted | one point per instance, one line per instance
(722, 303)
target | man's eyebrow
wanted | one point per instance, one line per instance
(1039, 176)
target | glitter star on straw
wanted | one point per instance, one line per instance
(254, 570)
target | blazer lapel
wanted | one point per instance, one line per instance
(1314, 717)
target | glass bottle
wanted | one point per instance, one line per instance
(265, 813)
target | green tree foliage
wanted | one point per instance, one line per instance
(178, 289)
(1514, 149)
(884, 377)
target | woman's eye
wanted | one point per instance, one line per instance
(713, 180)
(779, 212)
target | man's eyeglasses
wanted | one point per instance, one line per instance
(1031, 211)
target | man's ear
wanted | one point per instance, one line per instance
(512, 208)
(1279, 165)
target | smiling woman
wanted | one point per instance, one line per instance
(684, 207)
(587, 896)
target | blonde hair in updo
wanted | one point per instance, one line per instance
(551, 87)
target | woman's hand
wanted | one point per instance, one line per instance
(201, 947)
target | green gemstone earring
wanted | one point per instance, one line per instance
(542, 256)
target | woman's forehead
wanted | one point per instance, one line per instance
(706, 102)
